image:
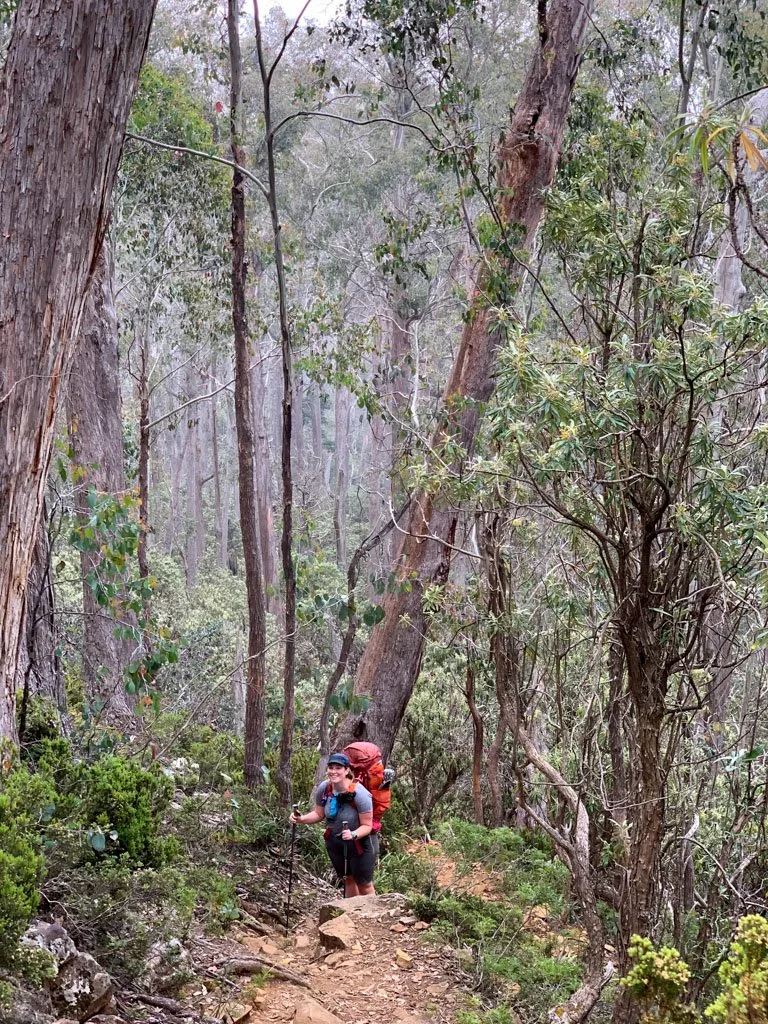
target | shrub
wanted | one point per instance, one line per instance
(658, 980)
(124, 803)
(744, 976)
(118, 911)
(401, 872)
(20, 870)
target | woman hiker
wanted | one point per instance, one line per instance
(347, 809)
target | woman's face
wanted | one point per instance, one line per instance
(336, 772)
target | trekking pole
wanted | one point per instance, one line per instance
(290, 871)
(344, 827)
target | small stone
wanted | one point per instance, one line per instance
(399, 928)
(403, 960)
(421, 926)
(301, 941)
(408, 921)
(233, 1013)
(333, 959)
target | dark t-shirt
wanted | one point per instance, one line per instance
(343, 807)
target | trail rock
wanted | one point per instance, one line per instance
(53, 938)
(403, 959)
(27, 1007)
(234, 1013)
(371, 907)
(311, 1012)
(338, 933)
(168, 966)
(82, 988)
(301, 941)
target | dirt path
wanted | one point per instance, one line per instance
(372, 963)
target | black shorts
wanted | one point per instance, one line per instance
(360, 858)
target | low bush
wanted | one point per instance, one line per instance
(123, 806)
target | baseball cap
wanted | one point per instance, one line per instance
(340, 759)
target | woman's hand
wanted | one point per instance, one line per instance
(347, 835)
(295, 818)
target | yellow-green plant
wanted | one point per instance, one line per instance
(744, 976)
(658, 980)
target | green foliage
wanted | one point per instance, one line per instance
(545, 976)
(123, 805)
(402, 872)
(253, 821)
(217, 893)
(118, 910)
(532, 874)
(20, 871)
(744, 976)
(658, 979)
(217, 753)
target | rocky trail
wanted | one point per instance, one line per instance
(358, 961)
(365, 960)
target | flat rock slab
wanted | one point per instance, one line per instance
(371, 907)
(311, 1012)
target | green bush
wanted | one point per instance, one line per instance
(402, 872)
(123, 805)
(544, 979)
(20, 871)
(744, 976)
(118, 911)
(218, 754)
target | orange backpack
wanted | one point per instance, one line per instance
(368, 767)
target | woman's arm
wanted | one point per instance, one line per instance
(363, 829)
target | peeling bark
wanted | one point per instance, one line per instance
(65, 93)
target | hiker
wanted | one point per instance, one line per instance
(341, 802)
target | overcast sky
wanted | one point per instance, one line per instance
(318, 10)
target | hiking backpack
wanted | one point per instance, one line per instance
(368, 767)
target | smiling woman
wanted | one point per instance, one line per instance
(347, 808)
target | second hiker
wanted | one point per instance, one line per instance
(346, 807)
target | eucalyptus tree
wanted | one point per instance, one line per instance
(91, 54)
(526, 162)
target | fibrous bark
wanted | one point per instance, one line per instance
(527, 159)
(65, 93)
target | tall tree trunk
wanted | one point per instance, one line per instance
(220, 493)
(494, 777)
(284, 780)
(647, 683)
(144, 454)
(527, 159)
(255, 675)
(95, 423)
(65, 93)
(343, 398)
(267, 534)
(615, 740)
